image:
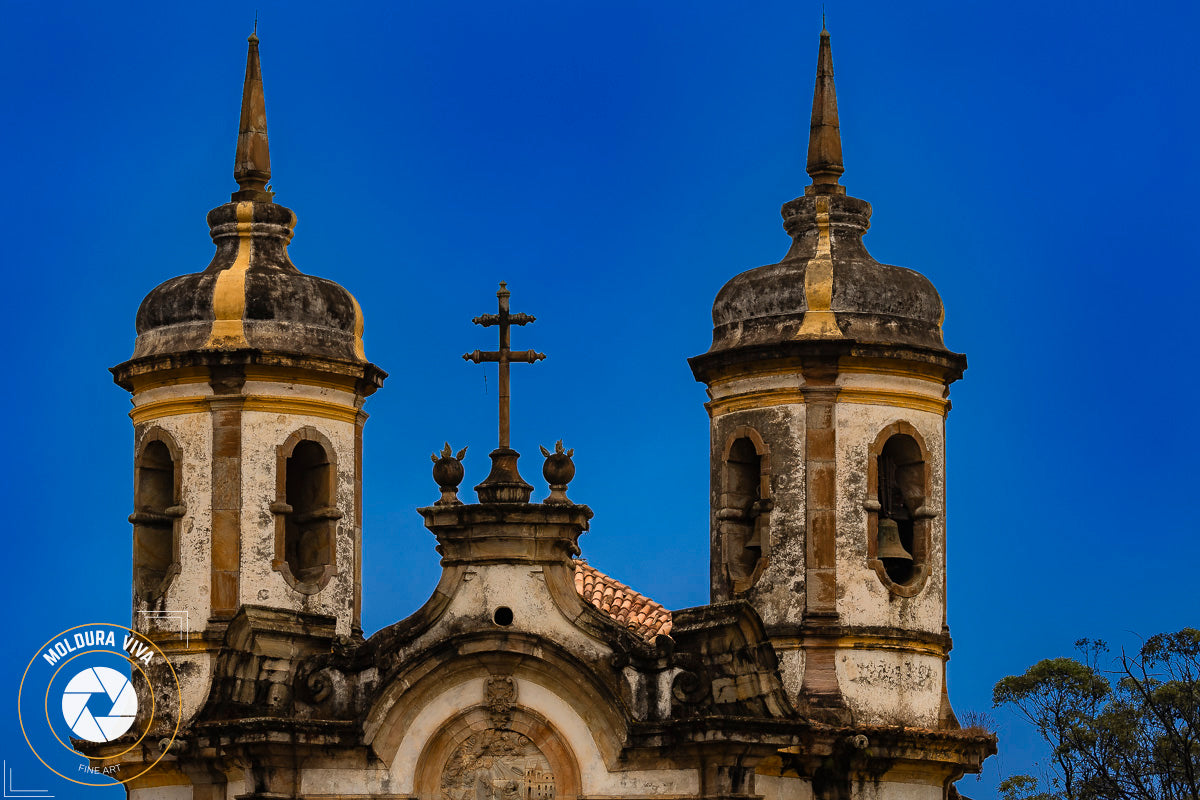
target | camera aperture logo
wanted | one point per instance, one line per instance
(88, 698)
(99, 681)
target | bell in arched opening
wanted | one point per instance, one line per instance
(890, 546)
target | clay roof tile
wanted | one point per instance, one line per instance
(636, 611)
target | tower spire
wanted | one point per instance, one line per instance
(252, 163)
(824, 136)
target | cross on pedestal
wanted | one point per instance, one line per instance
(504, 356)
(504, 484)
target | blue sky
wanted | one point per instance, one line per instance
(616, 163)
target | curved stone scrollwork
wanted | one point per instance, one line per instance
(497, 765)
(690, 688)
(322, 687)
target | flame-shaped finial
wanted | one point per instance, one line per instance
(448, 473)
(558, 471)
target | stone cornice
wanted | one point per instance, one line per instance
(498, 533)
(365, 377)
(787, 636)
(718, 364)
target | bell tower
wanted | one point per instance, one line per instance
(828, 382)
(247, 381)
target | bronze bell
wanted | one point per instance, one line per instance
(755, 541)
(889, 541)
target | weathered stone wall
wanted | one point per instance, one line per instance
(885, 687)
(862, 597)
(549, 657)
(188, 592)
(773, 787)
(896, 787)
(778, 591)
(192, 434)
(263, 432)
(183, 413)
(162, 793)
(889, 663)
(897, 681)
(566, 717)
(522, 589)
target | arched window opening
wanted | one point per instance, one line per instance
(156, 510)
(742, 514)
(901, 495)
(309, 515)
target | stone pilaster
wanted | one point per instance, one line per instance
(226, 410)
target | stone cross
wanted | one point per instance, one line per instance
(504, 356)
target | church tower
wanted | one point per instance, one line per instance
(828, 383)
(248, 381)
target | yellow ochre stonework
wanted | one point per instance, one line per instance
(782, 397)
(846, 366)
(863, 642)
(290, 375)
(301, 406)
(176, 406)
(899, 399)
(229, 294)
(173, 407)
(359, 325)
(819, 320)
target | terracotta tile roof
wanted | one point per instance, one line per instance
(633, 610)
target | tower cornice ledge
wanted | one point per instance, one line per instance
(716, 364)
(871, 637)
(964, 748)
(367, 376)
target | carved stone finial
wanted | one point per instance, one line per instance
(504, 483)
(825, 137)
(252, 160)
(558, 471)
(448, 472)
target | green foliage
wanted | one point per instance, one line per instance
(1135, 737)
(1023, 787)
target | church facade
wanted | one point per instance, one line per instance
(817, 670)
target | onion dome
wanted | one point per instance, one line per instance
(827, 286)
(251, 296)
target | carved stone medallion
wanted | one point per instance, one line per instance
(499, 695)
(497, 765)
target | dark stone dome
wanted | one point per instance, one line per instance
(251, 296)
(829, 269)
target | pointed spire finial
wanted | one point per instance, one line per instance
(824, 136)
(252, 162)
